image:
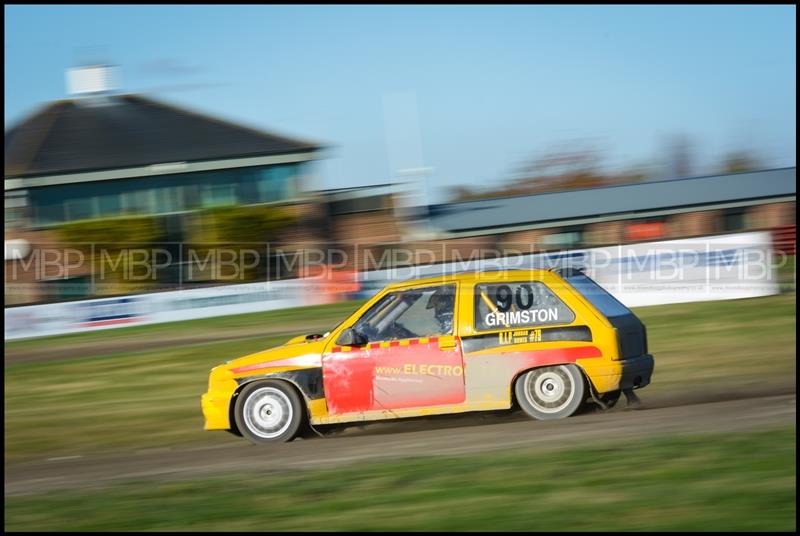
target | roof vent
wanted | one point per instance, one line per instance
(92, 80)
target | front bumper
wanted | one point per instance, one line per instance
(215, 411)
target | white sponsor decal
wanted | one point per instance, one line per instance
(514, 318)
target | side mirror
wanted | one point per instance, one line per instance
(349, 337)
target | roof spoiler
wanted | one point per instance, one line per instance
(568, 271)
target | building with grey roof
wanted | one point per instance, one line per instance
(613, 203)
(100, 154)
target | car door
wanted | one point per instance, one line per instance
(411, 357)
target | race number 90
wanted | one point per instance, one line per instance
(504, 297)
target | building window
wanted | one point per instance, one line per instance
(275, 183)
(217, 195)
(734, 219)
(169, 199)
(80, 209)
(72, 288)
(49, 214)
(566, 238)
(138, 202)
(109, 205)
(13, 217)
(16, 205)
(357, 204)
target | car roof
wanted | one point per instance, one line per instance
(475, 276)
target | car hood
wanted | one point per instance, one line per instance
(295, 353)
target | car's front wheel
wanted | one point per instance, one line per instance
(269, 411)
(551, 392)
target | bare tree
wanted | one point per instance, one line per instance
(739, 161)
(680, 162)
(573, 165)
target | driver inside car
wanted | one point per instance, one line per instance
(442, 303)
(398, 318)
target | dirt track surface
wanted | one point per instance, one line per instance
(451, 435)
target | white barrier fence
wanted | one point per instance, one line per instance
(697, 269)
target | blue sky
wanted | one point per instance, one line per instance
(472, 92)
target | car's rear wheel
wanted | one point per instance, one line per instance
(551, 392)
(269, 411)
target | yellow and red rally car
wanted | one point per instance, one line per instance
(549, 340)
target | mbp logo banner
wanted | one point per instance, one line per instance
(697, 269)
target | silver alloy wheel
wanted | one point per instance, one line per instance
(267, 412)
(550, 390)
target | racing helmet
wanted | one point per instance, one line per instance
(442, 301)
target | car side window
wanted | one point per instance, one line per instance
(408, 314)
(521, 304)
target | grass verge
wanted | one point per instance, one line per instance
(739, 482)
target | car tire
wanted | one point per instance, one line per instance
(551, 392)
(269, 412)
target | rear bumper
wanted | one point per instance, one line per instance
(636, 372)
(631, 373)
